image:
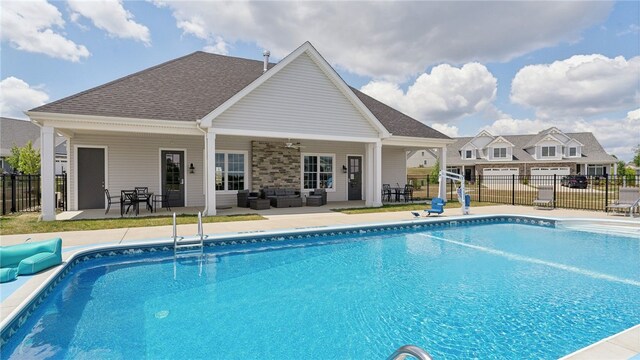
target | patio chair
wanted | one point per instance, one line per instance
(109, 200)
(407, 193)
(128, 199)
(545, 198)
(163, 200)
(386, 192)
(437, 207)
(628, 200)
(143, 196)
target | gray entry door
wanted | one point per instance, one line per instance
(354, 177)
(90, 178)
(173, 176)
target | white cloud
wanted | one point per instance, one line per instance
(449, 130)
(18, 96)
(445, 94)
(392, 40)
(219, 46)
(29, 26)
(112, 17)
(582, 85)
(617, 136)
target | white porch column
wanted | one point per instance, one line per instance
(377, 174)
(47, 173)
(442, 189)
(210, 186)
(369, 176)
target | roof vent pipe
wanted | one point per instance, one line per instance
(265, 54)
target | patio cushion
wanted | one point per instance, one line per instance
(31, 257)
(8, 274)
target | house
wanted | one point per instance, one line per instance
(204, 126)
(421, 158)
(16, 132)
(548, 152)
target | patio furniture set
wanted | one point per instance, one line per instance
(397, 193)
(279, 198)
(131, 199)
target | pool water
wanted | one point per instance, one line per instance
(499, 291)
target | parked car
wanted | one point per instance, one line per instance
(574, 181)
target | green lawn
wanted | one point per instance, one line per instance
(27, 223)
(405, 207)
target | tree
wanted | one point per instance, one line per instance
(636, 156)
(621, 167)
(25, 159)
(435, 172)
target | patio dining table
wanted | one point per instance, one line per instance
(134, 198)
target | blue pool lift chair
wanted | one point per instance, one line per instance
(437, 207)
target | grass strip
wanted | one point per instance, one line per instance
(404, 207)
(28, 223)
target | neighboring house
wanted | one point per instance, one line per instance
(421, 158)
(548, 152)
(15, 132)
(204, 126)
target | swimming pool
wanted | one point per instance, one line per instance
(493, 289)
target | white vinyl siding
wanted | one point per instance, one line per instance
(298, 99)
(134, 160)
(394, 168)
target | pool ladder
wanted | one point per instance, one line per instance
(409, 350)
(188, 247)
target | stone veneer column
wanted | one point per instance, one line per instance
(274, 165)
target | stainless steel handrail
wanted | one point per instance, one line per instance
(412, 350)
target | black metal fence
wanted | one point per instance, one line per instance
(596, 194)
(22, 193)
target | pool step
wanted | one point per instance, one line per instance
(187, 247)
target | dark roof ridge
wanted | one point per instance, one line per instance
(117, 80)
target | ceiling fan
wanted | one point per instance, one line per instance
(291, 145)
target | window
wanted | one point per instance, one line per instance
(596, 170)
(573, 151)
(499, 152)
(318, 171)
(423, 153)
(425, 162)
(548, 151)
(230, 171)
(468, 154)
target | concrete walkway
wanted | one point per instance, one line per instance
(285, 221)
(622, 346)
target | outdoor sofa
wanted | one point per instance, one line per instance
(29, 258)
(317, 197)
(280, 198)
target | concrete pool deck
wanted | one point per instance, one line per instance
(625, 345)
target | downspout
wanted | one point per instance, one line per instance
(206, 170)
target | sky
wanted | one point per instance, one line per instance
(460, 67)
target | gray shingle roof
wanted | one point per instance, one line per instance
(592, 151)
(185, 88)
(190, 87)
(18, 132)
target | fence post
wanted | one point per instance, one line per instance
(555, 197)
(606, 191)
(13, 193)
(479, 187)
(513, 189)
(4, 194)
(29, 190)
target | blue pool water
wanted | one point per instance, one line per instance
(487, 291)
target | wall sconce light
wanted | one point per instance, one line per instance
(191, 169)
(344, 169)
